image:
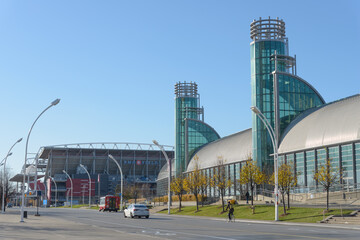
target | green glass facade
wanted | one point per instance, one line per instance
(295, 96)
(198, 134)
(262, 97)
(191, 131)
(291, 96)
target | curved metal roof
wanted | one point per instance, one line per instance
(112, 145)
(164, 173)
(333, 123)
(234, 148)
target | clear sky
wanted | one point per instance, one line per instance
(114, 64)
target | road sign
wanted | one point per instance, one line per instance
(44, 202)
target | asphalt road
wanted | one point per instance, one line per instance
(90, 224)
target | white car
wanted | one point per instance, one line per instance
(136, 210)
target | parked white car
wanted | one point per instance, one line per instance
(136, 210)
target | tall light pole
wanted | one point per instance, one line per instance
(169, 169)
(274, 141)
(53, 103)
(121, 181)
(8, 154)
(53, 179)
(89, 183)
(71, 186)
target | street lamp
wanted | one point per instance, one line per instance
(51, 178)
(9, 154)
(53, 103)
(169, 169)
(274, 141)
(89, 183)
(121, 181)
(71, 186)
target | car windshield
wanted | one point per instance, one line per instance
(140, 206)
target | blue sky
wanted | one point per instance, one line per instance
(114, 64)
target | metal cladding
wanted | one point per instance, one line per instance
(234, 148)
(267, 29)
(331, 124)
(184, 89)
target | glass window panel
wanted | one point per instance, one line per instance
(310, 168)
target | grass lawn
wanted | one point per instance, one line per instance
(262, 212)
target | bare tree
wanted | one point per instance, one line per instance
(9, 188)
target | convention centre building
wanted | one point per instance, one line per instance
(305, 129)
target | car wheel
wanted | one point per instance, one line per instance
(131, 215)
(147, 216)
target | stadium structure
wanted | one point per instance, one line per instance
(140, 164)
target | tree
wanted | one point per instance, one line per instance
(327, 175)
(286, 180)
(193, 181)
(9, 188)
(129, 191)
(177, 186)
(220, 180)
(250, 174)
(204, 183)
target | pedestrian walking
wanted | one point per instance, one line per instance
(247, 197)
(231, 211)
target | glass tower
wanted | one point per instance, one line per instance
(191, 131)
(276, 89)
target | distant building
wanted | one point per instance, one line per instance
(140, 164)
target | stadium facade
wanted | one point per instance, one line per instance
(307, 129)
(140, 164)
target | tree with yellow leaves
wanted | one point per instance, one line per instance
(192, 182)
(286, 180)
(204, 183)
(220, 180)
(177, 186)
(327, 175)
(250, 174)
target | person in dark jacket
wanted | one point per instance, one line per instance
(231, 210)
(247, 195)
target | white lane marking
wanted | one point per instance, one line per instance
(159, 230)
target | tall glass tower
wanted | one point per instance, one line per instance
(191, 131)
(276, 90)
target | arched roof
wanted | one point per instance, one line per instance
(164, 173)
(234, 148)
(333, 123)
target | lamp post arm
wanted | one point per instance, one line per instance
(71, 186)
(267, 125)
(274, 141)
(4, 176)
(121, 181)
(89, 183)
(169, 177)
(24, 167)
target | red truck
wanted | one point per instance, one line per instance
(109, 203)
